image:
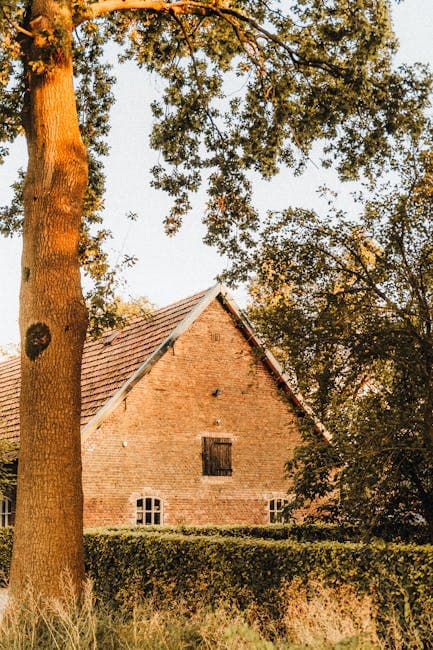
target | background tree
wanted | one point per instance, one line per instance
(308, 72)
(348, 303)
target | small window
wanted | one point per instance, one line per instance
(6, 513)
(217, 456)
(276, 510)
(149, 512)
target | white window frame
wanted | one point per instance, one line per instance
(149, 512)
(6, 512)
(276, 506)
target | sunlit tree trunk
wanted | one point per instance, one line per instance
(48, 528)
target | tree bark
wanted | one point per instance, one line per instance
(48, 539)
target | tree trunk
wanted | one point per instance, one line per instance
(48, 540)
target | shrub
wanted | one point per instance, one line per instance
(253, 571)
(316, 616)
(312, 616)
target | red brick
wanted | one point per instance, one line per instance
(163, 419)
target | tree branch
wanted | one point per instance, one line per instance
(197, 79)
(16, 26)
(369, 281)
(21, 30)
(192, 7)
(109, 6)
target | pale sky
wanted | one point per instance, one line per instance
(169, 269)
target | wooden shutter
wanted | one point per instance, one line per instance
(222, 456)
(217, 456)
(206, 455)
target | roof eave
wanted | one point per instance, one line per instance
(274, 365)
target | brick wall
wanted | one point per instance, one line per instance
(151, 445)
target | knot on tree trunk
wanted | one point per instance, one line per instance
(38, 338)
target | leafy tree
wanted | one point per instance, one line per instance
(116, 312)
(348, 303)
(311, 71)
(134, 307)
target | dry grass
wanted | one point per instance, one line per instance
(70, 625)
(319, 617)
(314, 618)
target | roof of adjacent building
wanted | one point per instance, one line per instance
(113, 364)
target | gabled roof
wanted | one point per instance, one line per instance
(113, 364)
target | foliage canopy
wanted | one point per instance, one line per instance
(247, 86)
(348, 305)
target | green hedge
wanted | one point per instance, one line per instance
(204, 568)
(126, 565)
(407, 533)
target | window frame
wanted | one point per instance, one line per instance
(276, 507)
(6, 512)
(151, 511)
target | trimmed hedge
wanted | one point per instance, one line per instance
(406, 533)
(248, 571)
(128, 565)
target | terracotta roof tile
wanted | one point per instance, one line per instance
(106, 365)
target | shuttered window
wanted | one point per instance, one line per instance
(217, 456)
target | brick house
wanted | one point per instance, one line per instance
(185, 419)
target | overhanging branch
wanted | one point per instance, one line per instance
(159, 6)
(109, 6)
(194, 8)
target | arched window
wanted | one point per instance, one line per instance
(6, 513)
(149, 511)
(276, 510)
